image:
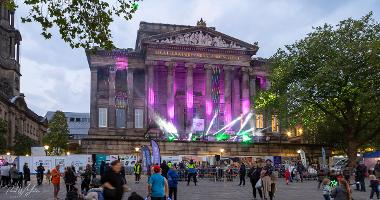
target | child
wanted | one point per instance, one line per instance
(326, 188)
(373, 183)
(48, 176)
(20, 179)
(298, 176)
(287, 176)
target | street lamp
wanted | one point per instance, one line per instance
(299, 151)
(137, 150)
(46, 147)
(68, 153)
(27, 155)
(8, 154)
(221, 151)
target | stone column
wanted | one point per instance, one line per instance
(189, 96)
(170, 107)
(227, 94)
(150, 91)
(130, 98)
(93, 98)
(111, 97)
(252, 93)
(236, 98)
(245, 105)
(208, 98)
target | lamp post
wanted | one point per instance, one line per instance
(68, 153)
(46, 147)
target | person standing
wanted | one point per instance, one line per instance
(373, 184)
(113, 183)
(137, 171)
(192, 172)
(40, 174)
(326, 189)
(102, 168)
(254, 177)
(86, 179)
(342, 191)
(164, 169)
(14, 175)
(377, 169)
(173, 182)
(360, 174)
(266, 175)
(242, 174)
(26, 171)
(56, 180)
(70, 179)
(157, 185)
(301, 170)
(5, 176)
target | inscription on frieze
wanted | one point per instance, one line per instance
(196, 55)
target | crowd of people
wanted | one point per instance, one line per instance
(163, 179)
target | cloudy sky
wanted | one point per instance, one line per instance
(54, 76)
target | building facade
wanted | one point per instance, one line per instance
(181, 82)
(13, 108)
(78, 123)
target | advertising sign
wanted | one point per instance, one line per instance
(198, 124)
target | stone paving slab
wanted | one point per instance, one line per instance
(205, 189)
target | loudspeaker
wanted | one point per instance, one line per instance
(217, 158)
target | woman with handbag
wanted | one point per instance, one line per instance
(113, 183)
(254, 177)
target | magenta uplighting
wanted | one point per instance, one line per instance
(151, 96)
(171, 111)
(245, 106)
(208, 107)
(121, 63)
(189, 99)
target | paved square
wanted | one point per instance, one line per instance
(206, 189)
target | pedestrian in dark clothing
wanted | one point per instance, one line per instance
(254, 177)
(122, 172)
(102, 167)
(40, 174)
(20, 178)
(86, 179)
(26, 171)
(242, 173)
(70, 179)
(373, 184)
(93, 171)
(14, 175)
(173, 182)
(164, 169)
(301, 170)
(377, 169)
(113, 183)
(360, 174)
(135, 196)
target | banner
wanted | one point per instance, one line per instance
(324, 157)
(303, 158)
(156, 157)
(146, 158)
(277, 161)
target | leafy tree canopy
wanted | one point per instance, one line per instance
(329, 82)
(81, 23)
(23, 144)
(58, 134)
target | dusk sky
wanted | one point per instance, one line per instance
(56, 77)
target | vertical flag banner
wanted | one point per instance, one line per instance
(323, 157)
(303, 158)
(156, 157)
(146, 158)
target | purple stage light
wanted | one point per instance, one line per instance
(151, 96)
(121, 63)
(189, 100)
(208, 107)
(245, 106)
(171, 112)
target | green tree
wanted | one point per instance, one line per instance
(81, 23)
(329, 82)
(3, 133)
(23, 144)
(58, 134)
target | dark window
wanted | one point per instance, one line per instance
(77, 119)
(72, 119)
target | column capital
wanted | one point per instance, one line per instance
(170, 64)
(245, 69)
(112, 68)
(190, 65)
(151, 62)
(209, 66)
(228, 67)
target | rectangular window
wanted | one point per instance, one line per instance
(275, 124)
(77, 119)
(259, 121)
(120, 118)
(102, 117)
(72, 119)
(139, 118)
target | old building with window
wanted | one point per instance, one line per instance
(13, 108)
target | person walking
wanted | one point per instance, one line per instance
(40, 174)
(70, 179)
(266, 175)
(164, 169)
(254, 177)
(158, 187)
(191, 172)
(377, 169)
(342, 191)
(26, 171)
(48, 176)
(242, 174)
(301, 170)
(373, 184)
(5, 176)
(137, 171)
(361, 171)
(14, 175)
(173, 182)
(326, 190)
(86, 179)
(113, 183)
(56, 180)
(102, 168)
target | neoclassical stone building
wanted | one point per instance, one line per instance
(200, 81)
(13, 108)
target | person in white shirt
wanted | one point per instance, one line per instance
(5, 176)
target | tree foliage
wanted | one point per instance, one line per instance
(329, 82)
(58, 134)
(3, 134)
(81, 23)
(23, 144)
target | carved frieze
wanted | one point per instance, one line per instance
(200, 38)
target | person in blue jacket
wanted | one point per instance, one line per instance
(172, 181)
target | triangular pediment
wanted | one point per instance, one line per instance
(201, 36)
